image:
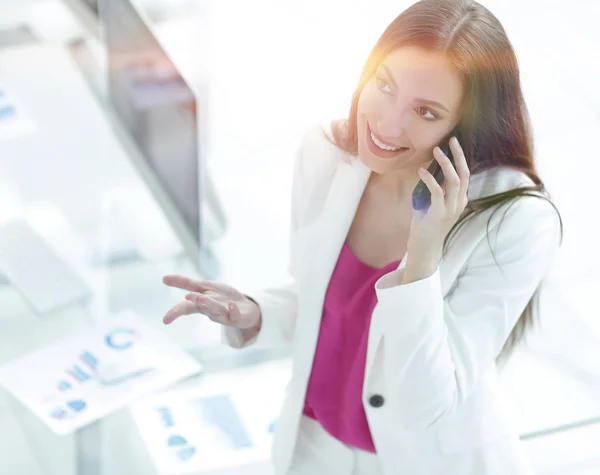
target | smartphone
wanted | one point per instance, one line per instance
(421, 197)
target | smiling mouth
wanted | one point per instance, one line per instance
(380, 149)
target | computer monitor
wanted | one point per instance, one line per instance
(86, 12)
(92, 6)
(154, 103)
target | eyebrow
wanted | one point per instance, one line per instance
(424, 101)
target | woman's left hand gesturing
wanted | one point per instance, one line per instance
(428, 229)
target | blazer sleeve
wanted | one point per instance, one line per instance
(436, 350)
(279, 305)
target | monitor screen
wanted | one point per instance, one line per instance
(92, 5)
(155, 104)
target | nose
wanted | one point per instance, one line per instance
(391, 125)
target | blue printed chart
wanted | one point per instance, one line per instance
(225, 420)
(87, 376)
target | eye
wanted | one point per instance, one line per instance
(433, 115)
(382, 85)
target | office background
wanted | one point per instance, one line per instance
(263, 72)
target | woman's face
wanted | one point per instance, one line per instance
(393, 111)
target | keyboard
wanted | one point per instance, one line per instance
(37, 271)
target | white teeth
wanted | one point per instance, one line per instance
(383, 146)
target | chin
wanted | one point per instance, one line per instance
(376, 164)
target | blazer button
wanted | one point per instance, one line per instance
(376, 400)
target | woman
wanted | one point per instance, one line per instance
(396, 329)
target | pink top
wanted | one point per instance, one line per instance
(334, 394)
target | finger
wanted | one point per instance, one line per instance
(460, 163)
(437, 193)
(235, 316)
(451, 179)
(185, 283)
(183, 308)
(210, 307)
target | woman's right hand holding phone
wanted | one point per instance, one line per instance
(219, 302)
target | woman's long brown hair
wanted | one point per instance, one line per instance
(494, 127)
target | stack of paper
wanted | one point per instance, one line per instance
(224, 424)
(93, 373)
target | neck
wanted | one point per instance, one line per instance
(395, 188)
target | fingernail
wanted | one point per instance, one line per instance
(230, 306)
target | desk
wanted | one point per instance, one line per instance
(547, 397)
(112, 445)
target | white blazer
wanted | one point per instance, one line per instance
(432, 343)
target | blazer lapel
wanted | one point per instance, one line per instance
(345, 192)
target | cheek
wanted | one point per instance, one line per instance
(369, 102)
